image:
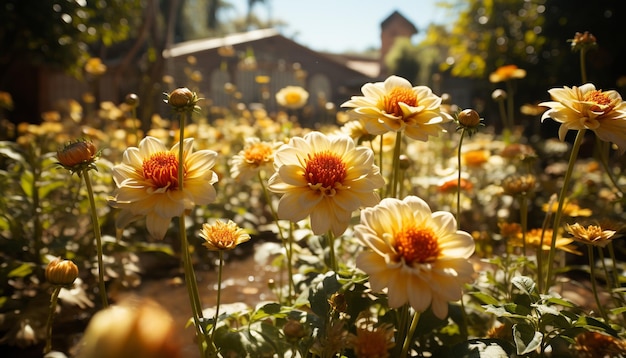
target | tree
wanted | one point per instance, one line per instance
(402, 59)
(59, 33)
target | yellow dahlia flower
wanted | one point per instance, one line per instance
(255, 156)
(419, 256)
(591, 235)
(395, 105)
(585, 107)
(223, 235)
(147, 183)
(292, 97)
(326, 177)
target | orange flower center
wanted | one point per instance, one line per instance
(397, 95)
(417, 244)
(325, 171)
(598, 97)
(293, 97)
(162, 169)
(257, 153)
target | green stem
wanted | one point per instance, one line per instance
(219, 293)
(96, 232)
(287, 243)
(616, 283)
(190, 276)
(331, 247)
(403, 323)
(603, 154)
(583, 67)
(592, 272)
(539, 255)
(559, 210)
(53, 305)
(458, 183)
(505, 121)
(396, 164)
(524, 221)
(408, 338)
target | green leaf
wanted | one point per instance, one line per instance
(618, 310)
(49, 187)
(524, 284)
(485, 298)
(526, 338)
(22, 270)
(560, 302)
(26, 182)
(10, 153)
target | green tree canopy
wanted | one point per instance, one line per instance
(58, 33)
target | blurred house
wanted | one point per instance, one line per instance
(246, 67)
(251, 67)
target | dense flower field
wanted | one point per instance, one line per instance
(410, 227)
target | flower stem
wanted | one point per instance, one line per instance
(458, 183)
(396, 164)
(409, 336)
(219, 293)
(331, 247)
(287, 242)
(583, 67)
(603, 154)
(190, 276)
(559, 210)
(96, 232)
(592, 272)
(53, 305)
(524, 221)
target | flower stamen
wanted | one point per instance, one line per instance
(162, 169)
(258, 154)
(399, 94)
(325, 172)
(417, 245)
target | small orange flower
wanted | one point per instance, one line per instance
(95, 67)
(255, 156)
(569, 209)
(591, 235)
(372, 341)
(540, 238)
(506, 73)
(451, 186)
(223, 235)
(476, 158)
(595, 344)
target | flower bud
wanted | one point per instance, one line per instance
(498, 95)
(583, 41)
(404, 161)
(77, 154)
(469, 118)
(294, 329)
(132, 100)
(182, 99)
(61, 272)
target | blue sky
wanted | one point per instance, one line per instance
(343, 25)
